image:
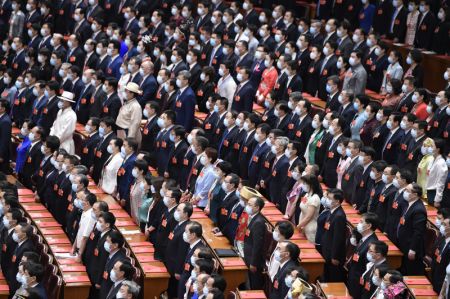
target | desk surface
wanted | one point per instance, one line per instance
(334, 290)
(251, 294)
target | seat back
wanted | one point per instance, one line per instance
(53, 286)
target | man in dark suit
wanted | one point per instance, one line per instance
(260, 150)
(378, 251)
(83, 105)
(248, 144)
(245, 58)
(177, 152)
(225, 148)
(278, 175)
(193, 231)
(122, 270)
(346, 111)
(287, 255)
(303, 129)
(411, 231)
(225, 206)
(250, 15)
(113, 68)
(426, 24)
(245, 92)
(328, 67)
(162, 141)
(148, 84)
(89, 144)
(293, 81)
(406, 103)
(131, 23)
(101, 150)
(150, 130)
(50, 110)
(112, 103)
(114, 246)
(334, 238)
(177, 247)
(413, 152)
(406, 124)
(75, 55)
(35, 38)
(441, 257)
(397, 28)
(267, 40)
(18, 63)
(11, 219)
(177, 59)
(5, 136)
(185, 101)
(157, 33)
(392, 144)
(124, 175)
(168, 223)
(82, 28)
(357, 264)
(332, 157)
(33, 273)
(374, 188)
(254, 242)
(353, 171)
(22, 234)
(94, 11)
(33, 157)
(204, 16)
(440, 118)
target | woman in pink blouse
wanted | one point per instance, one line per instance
(293, 194)
(269, 78)
(420, 97)
(393, 90)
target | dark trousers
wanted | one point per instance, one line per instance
(414, 267)
(431, 195)
(172, 288)
(332, 273)
(256, 280)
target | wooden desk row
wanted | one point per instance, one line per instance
(76, 283)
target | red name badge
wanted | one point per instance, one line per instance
(234, 216)
(217, 131)
(85, 150)
(164, 223)
(237, 98)
(223, 211)
(236, 146)
(29, 160)
(60, 192)
(200, 93)
(174, 160)
(255, 159)
(91, 236)
(247, 232)
(381, 198)
(402, 220)
(4, 247)
(347, 177)
(326, 225)
(105, 109)
(274, 173)
(388, 146)
(98, 154)
(330, 155)
(245, 149)
(319, 144)
(298, 134)
(145, 131)
(372, 192)
(355, 257)
(13, 258)
(105, 275)
(361, 280)
(96, 252)
(208, 127)
(83, 101)
(275, 284)
(178, 104)
(187, 266)
(185, 162)
(361, 185)
(225, 143)
(267, 164)
(171, 236)
(395, 205)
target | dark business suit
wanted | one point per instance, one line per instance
(149, 86)
(33, 158)
(5, 141)
(402, 154)
(392, 146)
(253, 249)
(396, 208)
(243, 97)
(425, 30)
(168, 223)
(225, 149)
(187, 268)
(175, 162)
(245, 154)
(84, 103)
(106, 282)
(256, 162)
(88, 147)
(411, 233)
(125, 180)
(328, 68)
(163, 148)
(111, 106)
(348, 184)
(357, 266)
(441, 258)
(276, 181)
(333, 245)
(225, 207)
(280, 289)
(330, 163)
(176, 252)
(149, 133)
(16, 258)
(184, 108)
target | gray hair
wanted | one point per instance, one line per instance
(133, 288)
(284, 141)
(185, 74)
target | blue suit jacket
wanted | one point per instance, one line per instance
(163, 149)
(243, 99)
(113, 69)
(256, 161)
(277, 180)
(149, 87)
(184, 107)
(37, 109)
(132, 26)
(124, 177)
(216, 60)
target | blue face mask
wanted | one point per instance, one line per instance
(172, 138)
(101, 131)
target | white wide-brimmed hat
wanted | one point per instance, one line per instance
(67, 96)
(133, 87)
